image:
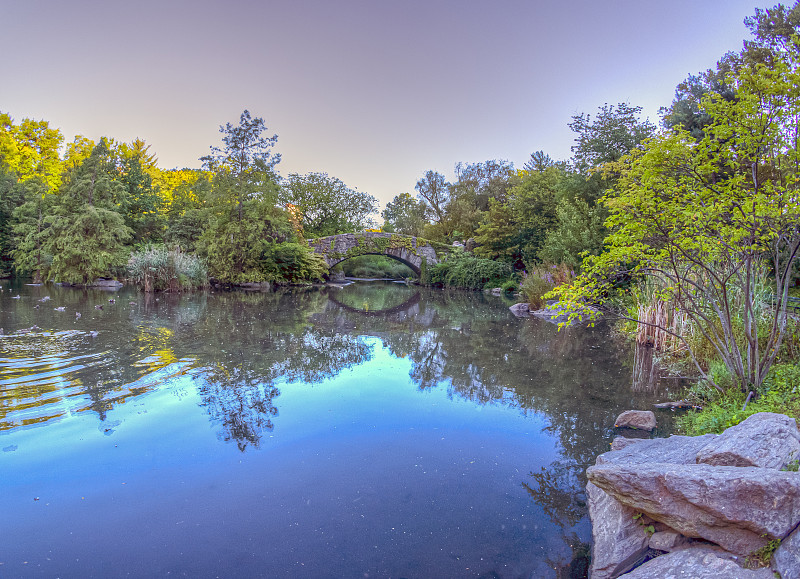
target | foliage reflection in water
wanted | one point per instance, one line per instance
(385, 430)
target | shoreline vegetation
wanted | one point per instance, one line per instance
(687, 233)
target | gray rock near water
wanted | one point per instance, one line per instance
(556, 314)
(675, 450)
(520, 310)
(738, 508)
(786, 559)
(765, 439)
(639, 419)
(621, 442)
(695, 563)
(619, 541)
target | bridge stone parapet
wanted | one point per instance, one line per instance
(412, 251)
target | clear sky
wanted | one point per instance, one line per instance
(373, 92)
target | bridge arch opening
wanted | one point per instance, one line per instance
(415, 270)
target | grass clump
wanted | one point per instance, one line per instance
(540, 279)
(780, 393)
(156, 268)
(761, 557)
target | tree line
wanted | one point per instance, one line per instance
(80, 214)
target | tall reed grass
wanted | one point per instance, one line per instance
(539, 279)
(157, 268)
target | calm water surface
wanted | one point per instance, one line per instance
(376, 430)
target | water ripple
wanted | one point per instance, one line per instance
(46, 376)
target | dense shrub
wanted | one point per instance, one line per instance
(157, 268)
(291, 262)
(464, 270)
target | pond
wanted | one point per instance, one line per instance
(372, 430)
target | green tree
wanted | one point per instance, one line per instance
(247, 158)
(405, 215)
(31, 230)
(705, 218)
(12, 195)
(142, 205)
(31, 150)
(87, 234)
(534, 203)
(239, 232)
(685, 112)
(538, 162)
(612, 133)
(326, 206)
(475, 186)
(599, 140)
(433, 189)
(498, 236)
(237, 250)
(241, 204)
(185, 195)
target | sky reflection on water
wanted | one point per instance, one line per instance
(267, 435)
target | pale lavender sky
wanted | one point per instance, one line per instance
(372, 92)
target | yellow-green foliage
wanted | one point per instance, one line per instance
(673, 213)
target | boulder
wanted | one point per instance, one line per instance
(621, 442)
(786, 559)
(738, 508)
(765, 439)
(675, 449)
(619, 541)
(638, 419)
(695, 563)
(556, 314)
(520, 310)
(667, 540)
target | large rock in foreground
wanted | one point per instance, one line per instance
(619, 541)
(786, 560)
(695, 564)
(738, 508)
(765, 439)
(674, 450)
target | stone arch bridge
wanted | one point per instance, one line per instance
(415, 252)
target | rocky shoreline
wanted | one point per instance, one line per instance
(722, 506)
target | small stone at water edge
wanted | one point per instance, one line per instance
(639, 419)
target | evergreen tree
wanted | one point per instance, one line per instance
(87, 232)
(31, 231)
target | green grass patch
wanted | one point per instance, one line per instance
(780, 393)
